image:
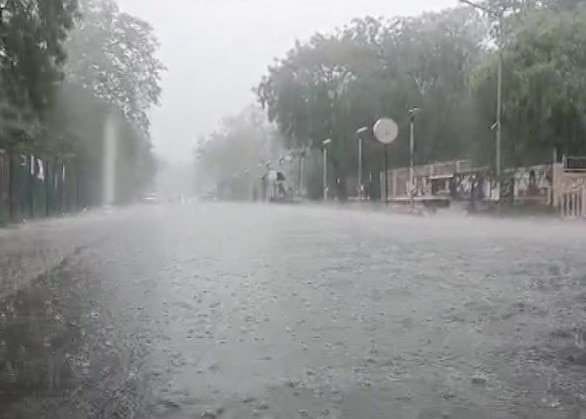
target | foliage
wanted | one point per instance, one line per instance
(113, 54)
(446, 64)
(335, 84)
(243, 145)
(67, 69)
(545, 86)
(112, 74)
(85, 118)
(32, 33)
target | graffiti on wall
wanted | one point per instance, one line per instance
(533, 182)
(451, 180)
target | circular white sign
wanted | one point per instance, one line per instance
(385, 130)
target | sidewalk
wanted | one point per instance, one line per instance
(29, 250)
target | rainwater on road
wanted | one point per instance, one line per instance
(243, 311)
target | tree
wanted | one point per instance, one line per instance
(113, 54)
(310, 94)
(335, 84)
(32, 33)
(545, 85)
(58, 93)
(111, 77)
(241, 144)
(436, 53)
(77, 127)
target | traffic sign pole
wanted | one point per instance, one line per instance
(386, 131)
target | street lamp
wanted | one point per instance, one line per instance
(359, 133)
(499, 93)
(325, 144)
(302, 155)
(412, 114)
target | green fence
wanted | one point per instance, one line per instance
(35, 187)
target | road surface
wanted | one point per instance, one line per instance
(242, 311)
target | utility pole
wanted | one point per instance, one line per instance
(359, 133)
(499, 110)
(386, 151)
(360, 169)
(325, 144)
(412, 113)
(411, 152)
(301, 172)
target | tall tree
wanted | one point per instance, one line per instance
(32, 33)
(433, 54)
(243, 143)
(337, 83)
(545, 80)
(114, 55)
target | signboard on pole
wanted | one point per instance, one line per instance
(385, 130)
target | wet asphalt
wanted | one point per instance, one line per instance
(215, 310)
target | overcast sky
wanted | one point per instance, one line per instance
(217, 50)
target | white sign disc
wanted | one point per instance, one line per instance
(385, 130)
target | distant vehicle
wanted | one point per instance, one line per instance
(210, 196)
(151, 198)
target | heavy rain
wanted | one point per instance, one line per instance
(387, 220)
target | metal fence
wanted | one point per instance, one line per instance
(34, 187)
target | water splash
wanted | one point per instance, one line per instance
(109, 162)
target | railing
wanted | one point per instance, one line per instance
(574, 164)
(573, 203)
(33, 188)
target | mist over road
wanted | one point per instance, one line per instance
(237, 311)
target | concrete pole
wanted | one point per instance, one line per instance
(411, 152)
(301, 175)
(325, 174)
(583, 201)
(499, 109)
(360, 168)
(386, 151)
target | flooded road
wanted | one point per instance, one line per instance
(242, 311)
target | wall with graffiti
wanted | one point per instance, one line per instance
(460, 181)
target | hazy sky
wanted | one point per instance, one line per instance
(217, 50)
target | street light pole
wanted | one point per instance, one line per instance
(386, 151)
(412, 113)
(325, 174)
(499, 110)
(360, 169)
(359, 133)
(411, 151)
(325, 171)
(301, 172)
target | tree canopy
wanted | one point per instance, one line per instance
(544, 84)
(444, 63)
(32, 33)
(66, 69)
(243, 143)
(113, 54)
(334, 84)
